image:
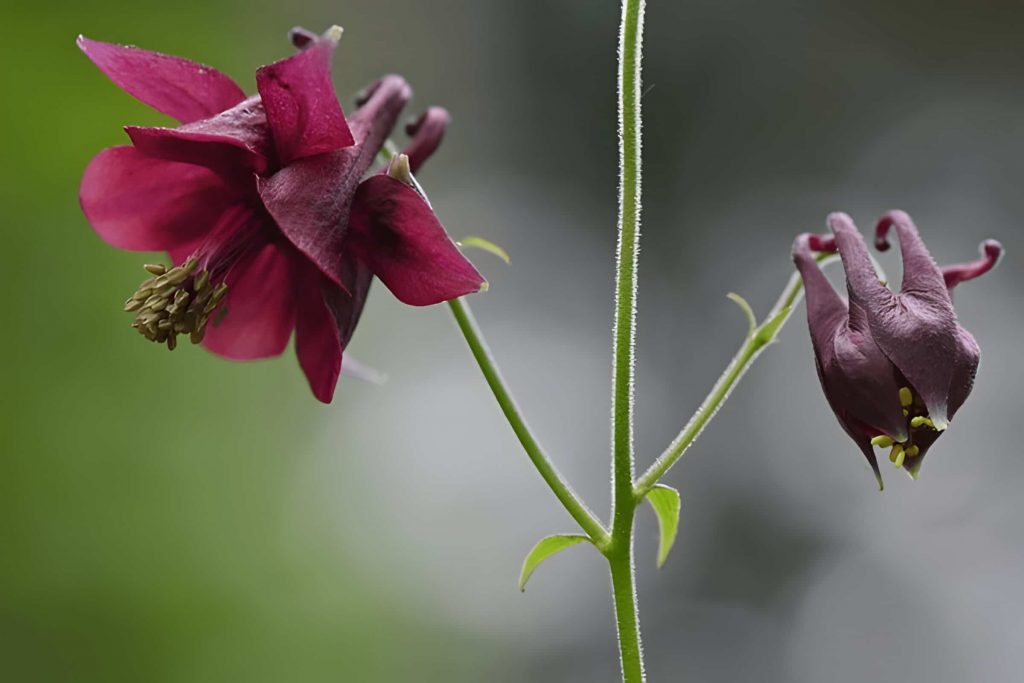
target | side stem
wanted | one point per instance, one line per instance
(759, 338)
(569, 499)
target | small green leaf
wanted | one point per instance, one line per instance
(487, 245)
(665, 501)
(747, 310)
(543, 550)
(767, 332)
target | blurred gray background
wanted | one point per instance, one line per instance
(176, 517)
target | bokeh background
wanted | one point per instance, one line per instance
(179, 518)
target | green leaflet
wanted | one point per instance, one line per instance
(543, 550)
(665, 502)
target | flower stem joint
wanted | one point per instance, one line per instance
(894, 367)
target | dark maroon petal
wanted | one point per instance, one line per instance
(861, 279)
(258, 313)
(310, 199)
(965, 367)
(826, 311)
(923, 439)
(234, 141)
(136, 202)
(862, 384)
(917, 330)
(316, 334)
(380, 108)
(427, 133)
(346, 305)
(182, 89)
(991, 254)
(394, 231)
(302, 109)
(921, 275)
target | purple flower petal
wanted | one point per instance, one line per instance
(182, 89)
(921, 275)
(346, 305)
(232, 142)
(394, 231)
(302, 108)
(259, 309)
(137, 202)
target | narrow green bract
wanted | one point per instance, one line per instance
(665, 502)
(543, 550)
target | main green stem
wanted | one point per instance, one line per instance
(569, 499)
(620, 553)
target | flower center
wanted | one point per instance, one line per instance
(175, 301)
(917, 415)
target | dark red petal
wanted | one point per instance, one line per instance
(260, 310)
(346, 305)
(302, 108)
(137, 202)
(234, 141)
(394, 231)
(991, 254)
(921, 275)
(427, 133)
(379, 110)
(316, 334)
(310, 199)
(182, 89)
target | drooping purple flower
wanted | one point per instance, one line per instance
(262, 205)
(894, 367)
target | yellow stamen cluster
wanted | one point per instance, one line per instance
(905, 449)
(173, 302)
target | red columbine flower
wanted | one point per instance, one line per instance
(262, 206)
(895, 368)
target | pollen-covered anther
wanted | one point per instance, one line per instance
(175, 301)
(913, 451)
(922, 421)
(897, 455)
(906, 397)
(882, 441)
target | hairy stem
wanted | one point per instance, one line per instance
(572, 502)
(620, 555)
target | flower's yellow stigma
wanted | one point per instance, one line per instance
(173, 302)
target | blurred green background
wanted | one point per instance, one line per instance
(179, 518)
